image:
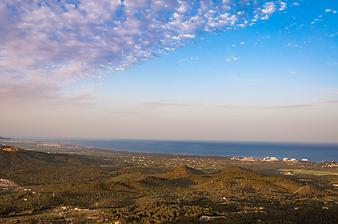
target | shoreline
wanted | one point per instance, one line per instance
(69, 146)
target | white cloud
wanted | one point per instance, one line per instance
(58, 40)
(269, 8)
(283, 6)
(231, 59)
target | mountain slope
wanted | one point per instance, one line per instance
(22, 165)
(5, 139)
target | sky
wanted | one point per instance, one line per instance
(245, 70)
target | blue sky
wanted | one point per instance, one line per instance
(270, 58)
(231, 70)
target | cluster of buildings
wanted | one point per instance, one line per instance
(267, 159)
(244, 159)
(330, 165)
(7, 184)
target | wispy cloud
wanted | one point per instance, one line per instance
(315, 103)
(124, 112)
(188, 59)
(282, 106)
(167, 104)
(232, 59)
(71, 39)
(14, 91)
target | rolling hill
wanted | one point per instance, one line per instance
(37, 187)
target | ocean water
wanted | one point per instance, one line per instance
(313, 152)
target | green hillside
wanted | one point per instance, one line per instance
(37, 187)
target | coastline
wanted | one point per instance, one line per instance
(67, 146)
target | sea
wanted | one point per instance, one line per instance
(312, 152)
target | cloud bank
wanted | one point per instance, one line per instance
(56, 40)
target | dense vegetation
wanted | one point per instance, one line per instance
(40, 187)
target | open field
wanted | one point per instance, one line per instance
(311, 172)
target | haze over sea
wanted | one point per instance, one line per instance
(312, 152)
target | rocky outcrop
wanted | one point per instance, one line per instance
(7, 148)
